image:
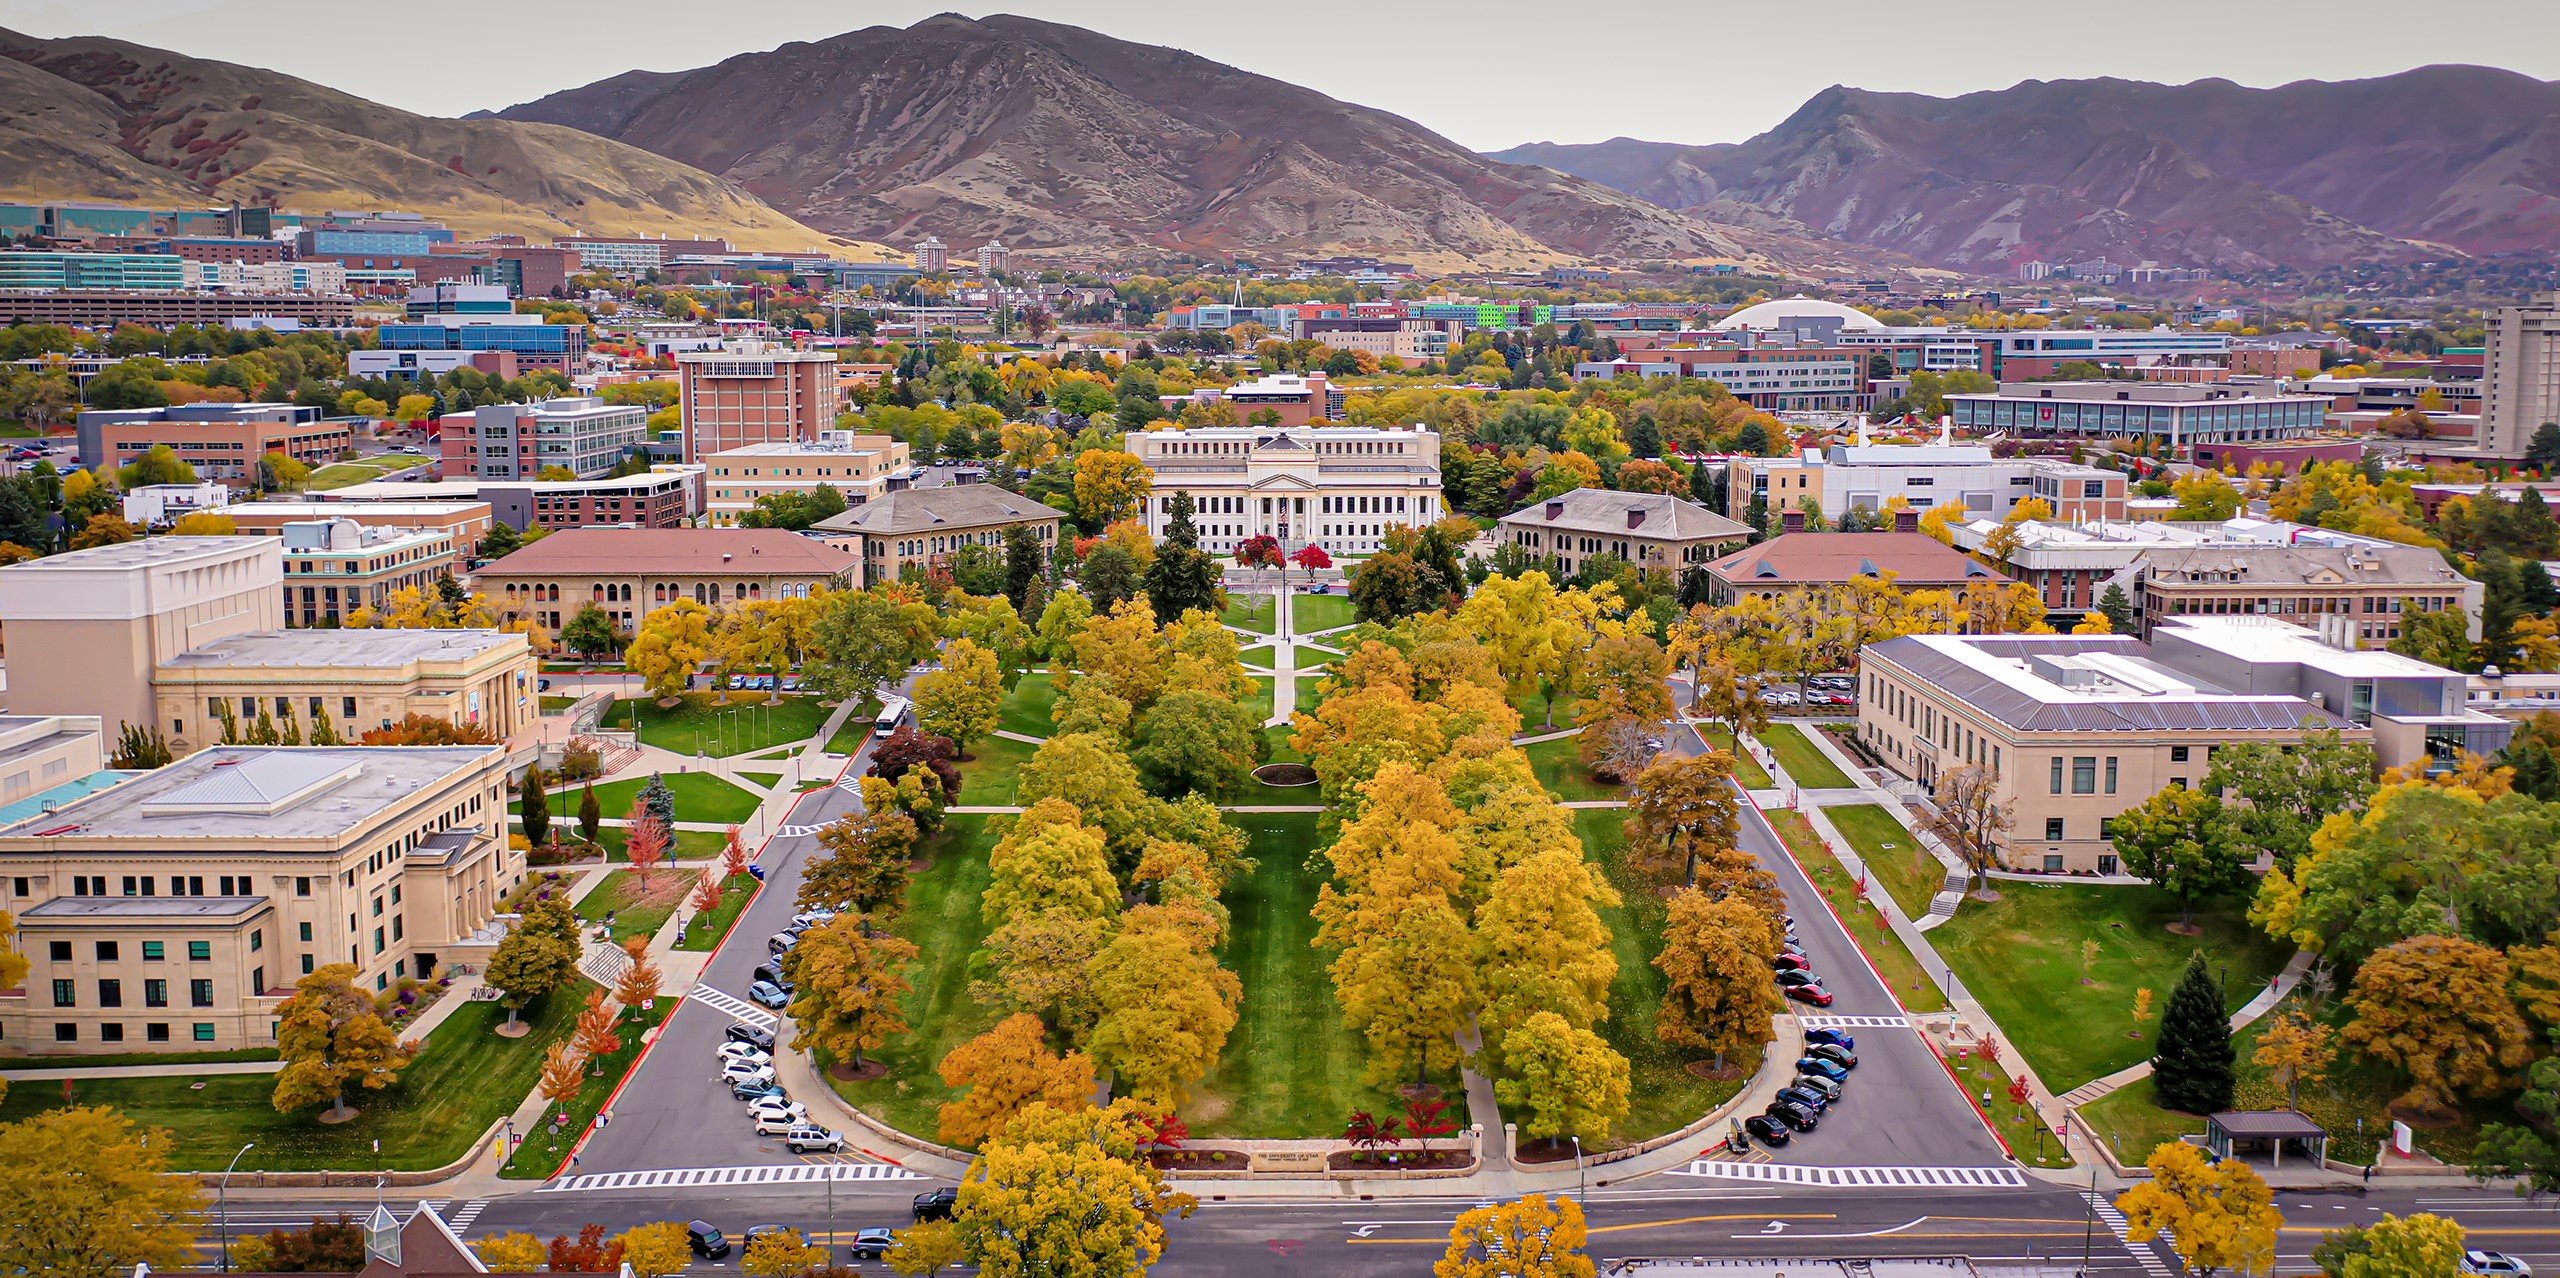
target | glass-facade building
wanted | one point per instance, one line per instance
(2209, 414)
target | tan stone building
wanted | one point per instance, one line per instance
(332, 567)
(175, 911)
(42, 754)
(857, 467)
(2360, 590)
(925, 526)
(358, 680)
(1648, 530)
(631, 572)
(87, 629)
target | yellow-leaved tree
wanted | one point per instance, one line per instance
(1536, 1237)
(2218, 1215)
(673, 642)
(963, 699)
(84, 1193)
(1067, 1192)
(655, 1250)
(1006, 1069)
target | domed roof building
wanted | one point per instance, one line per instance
(1772, 315)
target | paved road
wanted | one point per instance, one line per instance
(1658, 1218)
(1901, 1109)
(674, 1113)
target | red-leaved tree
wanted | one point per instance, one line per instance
(733, 858)
(644, 841)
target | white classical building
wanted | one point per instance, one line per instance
(1340, 487)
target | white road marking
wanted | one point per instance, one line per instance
(2143, 1253)
(736, 1007)
(1855, 1022)
(709, 1177)
(1855, 1177)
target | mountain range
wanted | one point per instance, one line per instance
(2416, 166)
(103, 120)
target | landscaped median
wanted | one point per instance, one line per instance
(1805, 763)
(1892, 854)
(1859, 915)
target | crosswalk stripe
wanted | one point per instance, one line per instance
(2143, 1253)
(1855, 1022)
(1856, 1177)
(736, 1007)
(462, 1219)
(795, 831)
(707, 1177)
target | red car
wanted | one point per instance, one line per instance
(1813, 994)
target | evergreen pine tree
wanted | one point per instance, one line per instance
(2192, 1069)
(2118, 608)
(1702, 486)
(661, 800)
(590, 814)
(1179, 529)
(1644, 439)
(537, 807)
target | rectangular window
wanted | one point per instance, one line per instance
(2057, 774)
(377, 940)
(200, 951)
(2111, 788)
(204, 1032)
(155, 993)
(110, 993)
(306, 965)
(66, 993)
(156, 1032)
(106, 951)
(154, 951)
(60, 951)
(2053, 828)
(2084, 774)
(66, 1032)
(306, 931)
(258, 936)
(2177, 754)
(2053, 863)
(111, 1033)
(302, 885)
(199, 993)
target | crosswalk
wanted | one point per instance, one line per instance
(2144, 1254)
(1774, 1173)
(715, 1177)
(796, 831)
(736, 1007)
(470, 1211)
(1855, 1022)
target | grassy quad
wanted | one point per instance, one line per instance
(1250, 612)
(690, 845)
(1310, 613)
(2022, 957)
(636, 911)
(466, 1079)
(344, 474)
(702, 724)
(1259, 656)
(992, 774)
(1893, 855)
(1663, 1096)
(1805, 764)
(700, 796)
(856, 728)
(943, 922)
(1030, 706)
(1558, 764)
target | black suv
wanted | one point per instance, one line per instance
(937, 1205)
(755, 1036)
(705, 1239)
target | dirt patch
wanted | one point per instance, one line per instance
(1204, 1107)
(1546, 1151)
(1401, 1159)
(2186, 929)
(1985, 894)
(847, 1072)
(1285, 774)
(1420, 1091)
(1708, 1071)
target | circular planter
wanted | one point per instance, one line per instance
(1285, 774)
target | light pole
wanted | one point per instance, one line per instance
(225, 1199)
(2089, 1227)
(1581, 1194)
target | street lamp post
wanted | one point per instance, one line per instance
(1581, 1193)
(225, 1208)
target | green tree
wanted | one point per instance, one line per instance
(537, 807)
(590, 814)
(330, 1035)
(963, 700)
(2118, 608)
(2543, 451)
(2192, 1068)
(1198, 743)
(1091, 773)
(1110, 575)
(850, 987)
(865, 866)
(2420, 1246)
(2438, 637)
(2285, 792)
(589, 631)
(1181, 581)
(537, 956)
(1179, 529)
(866, 640)
(2527, 1152)
(84, 1193)
(2182, 841)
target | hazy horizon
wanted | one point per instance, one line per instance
(1695, 76)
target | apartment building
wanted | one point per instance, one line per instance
(1340, 487)
(2361, 589)
(581, 434)
(669, 496)
(354, 680)
(633, 254)
(175, 911)
(108, 307)
(2077, 728)
(923, 527)
(754, 392)
(332, 567)
(2520, 375)
(1798, 560)
(631, 572)
(2173, 413)
(1849, 477)
(1777, 378)
(266, 277)
(222, 441)
(857, 467)
(1649, 530)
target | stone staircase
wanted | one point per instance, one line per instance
(1950, 894)
(604, 963)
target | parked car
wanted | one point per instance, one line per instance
(873, 1244)
(768, 994)
(780, 943)
(937, 1204)
(807, 919)
(1792, 1114)
(810, 1138)
(749, 1053)
(759, 1036)
(737, 1072)
(1821, 1068)
(1805, 1097)
(1834, 1053)
(1792, 962)
(705, 1239)
(2495, 1264)
(1828, 1089)
(773, 975)
(1799, 976)
(747, 1240)
(780, 1121)
(1842, 1037)
(791, 1112)
(1770, 1131)
(1813, 994)
(751, 1091)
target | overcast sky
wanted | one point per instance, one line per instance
(1487, 74)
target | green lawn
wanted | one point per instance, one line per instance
(2021, 956)
(856, 728)
(702, 725)
(1558, 764)
(636, 912)
(994, 774)
(1027, 709)
(1893, 855)
(1319, 612)
(700, 796)
(466, 1079)
(1535, 717)
(768, 780)
(1259, 656)
(702, 932)
(1745, 768)
(546, 1147)
(2027, 1136)
(942, 920)
(346, 473)
(1249, 612)
(557, 705)
(1806, 765)
(2131, 1121)
(691, 845)
(1310, 694)
(1278, 736)
(1291, 1067)
(1867, 927)
(1663, 1095)
(104, 1060)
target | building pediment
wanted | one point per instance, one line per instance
(1298, 483)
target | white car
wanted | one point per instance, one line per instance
(2495, 1264)
(788, 1113)
(778, 1124)
(807, 919)
(748, 1053)
(737, 1072)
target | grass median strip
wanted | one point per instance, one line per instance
(1804, 762)
(1893, 960)
(703, 931)
(541, 1151)
(1893, 855)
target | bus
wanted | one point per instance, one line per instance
(892, 709)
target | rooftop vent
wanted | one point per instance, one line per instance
(1555, 510)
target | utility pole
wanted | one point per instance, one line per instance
(2089, 1226)
(226, 1205)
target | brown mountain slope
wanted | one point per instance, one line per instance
(1053, 136)
(2209, 173)
(97, 119)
